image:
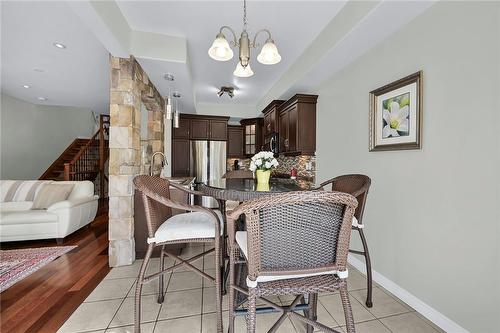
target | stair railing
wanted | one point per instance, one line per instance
(89, 161)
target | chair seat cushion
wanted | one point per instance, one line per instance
(241, 240)
(187, 226)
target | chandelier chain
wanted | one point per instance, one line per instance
(245, 15)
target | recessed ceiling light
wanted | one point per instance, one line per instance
(59, 45)
(42, 99)
(168, 77)
(176, 94)
(25, 86)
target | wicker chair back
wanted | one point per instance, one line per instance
(298, 232)
(153, 191)
(354, 184)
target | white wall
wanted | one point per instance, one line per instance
(432, 216)
(33, 136)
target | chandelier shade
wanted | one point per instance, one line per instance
(269, 54)
(220, 49)
(241, 71)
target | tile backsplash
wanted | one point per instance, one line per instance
(286, 163)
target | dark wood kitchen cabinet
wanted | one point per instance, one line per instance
(218, 130)
(235, 137)
(297, 125)
(206, 127)
(180, 157)
(252, 136)
(271, 116)
(183, 131)
(194, 127)
(200, 129)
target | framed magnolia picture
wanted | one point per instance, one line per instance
(396, 115)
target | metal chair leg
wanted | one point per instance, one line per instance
(346, 304)
(161, 296)
(218, 279)
(231, 290)
(369, 279)
(251, 314)
(312, 311)
(138, 290)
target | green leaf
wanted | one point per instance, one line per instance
(405, 100)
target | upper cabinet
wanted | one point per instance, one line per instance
(183, 131)
(252, 128)
(196, 127)
(199, 129)
(297, 125)
(218, 130)
(271, 117)
(235, 139)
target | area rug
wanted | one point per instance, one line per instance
(15, 265)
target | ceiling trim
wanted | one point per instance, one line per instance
(108, 24)
(349, 16)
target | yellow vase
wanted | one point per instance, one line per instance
(263, 176)
(262, 187)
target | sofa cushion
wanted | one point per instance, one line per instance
(15, 205)
(50, 194)
(81, 189)
(27, 217)
(20, 190)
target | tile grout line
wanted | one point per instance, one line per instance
(123, 301)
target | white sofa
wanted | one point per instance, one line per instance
(19, 222)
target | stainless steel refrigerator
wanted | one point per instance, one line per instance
(208, 162)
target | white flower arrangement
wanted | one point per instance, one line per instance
(263, 161)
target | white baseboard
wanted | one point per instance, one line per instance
(424, 309)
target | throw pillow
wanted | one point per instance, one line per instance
(49, 194)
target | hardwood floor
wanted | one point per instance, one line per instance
(44, 300)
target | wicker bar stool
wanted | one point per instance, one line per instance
(199, 225)
(296, 243)
(357, 186)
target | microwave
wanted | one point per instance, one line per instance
(271, 143)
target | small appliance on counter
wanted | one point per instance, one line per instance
(293, 173)
(236, 165)
(271, 143)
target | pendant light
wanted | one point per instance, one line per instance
(176, 120)
(168, 105)
(221, 48)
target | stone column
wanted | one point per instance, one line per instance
(129, 86)
(124, 158)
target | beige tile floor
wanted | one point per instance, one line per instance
(189, 306)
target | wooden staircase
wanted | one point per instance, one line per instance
(84, 159)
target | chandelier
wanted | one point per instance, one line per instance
(221, 48)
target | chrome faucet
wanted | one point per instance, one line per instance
(164, 161)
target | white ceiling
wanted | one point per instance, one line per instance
(315, 38)
(75, 76)
(293, 24)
